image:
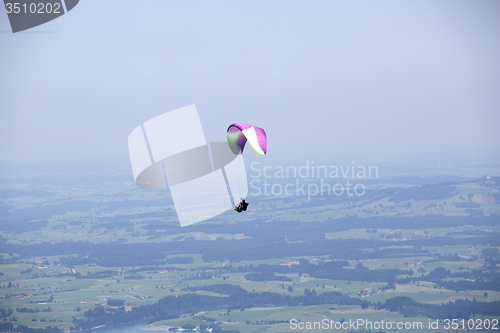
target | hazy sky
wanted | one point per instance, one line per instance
(331, 80)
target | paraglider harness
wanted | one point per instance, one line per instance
(242, 206)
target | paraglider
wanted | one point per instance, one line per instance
(242, 206)
(205, 179)
(237, 136)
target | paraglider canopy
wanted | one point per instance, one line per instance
(238, 134)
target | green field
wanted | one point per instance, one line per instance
(55, 292)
